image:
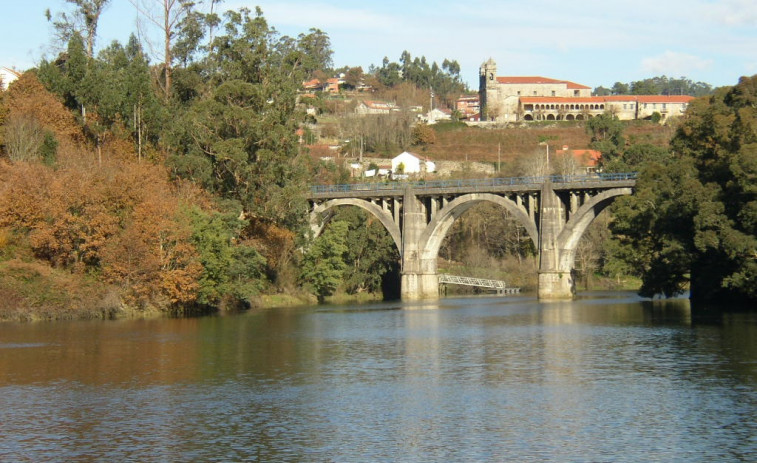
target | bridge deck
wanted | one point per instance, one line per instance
(559, 182)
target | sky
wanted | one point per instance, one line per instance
(590, 42)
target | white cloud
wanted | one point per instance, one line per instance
(736, 13)
(674, 64)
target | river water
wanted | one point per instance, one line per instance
(607, 377)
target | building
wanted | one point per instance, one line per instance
(375, 107)
(516, 99)
(329, 86)
(582, 159)
(7, 75)
(438, 114)
(407, 163)
(469, 107)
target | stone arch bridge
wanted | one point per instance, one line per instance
(554, 210)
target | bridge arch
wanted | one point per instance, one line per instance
(575, 227)
(318, 222)
(434, 233)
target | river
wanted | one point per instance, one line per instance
(605, 378)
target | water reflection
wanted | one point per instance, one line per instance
(607, 377)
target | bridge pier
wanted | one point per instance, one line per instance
(419, 272)
(556, 285)
(555, 278)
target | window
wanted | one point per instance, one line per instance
(518, 92)
(553, 93)
(534, 92)
(576, 93)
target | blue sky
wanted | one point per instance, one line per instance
(591, 42)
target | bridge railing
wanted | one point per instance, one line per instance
(472, 184)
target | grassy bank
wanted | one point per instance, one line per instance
(33, 291)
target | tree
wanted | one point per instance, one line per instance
(693, 219)
(86, 19)
(316, 49)
(606, 132)
(323, 265)
(232, 272)
(620, 88)
(241, 134)
(423, 135)
(371, 251)
(167, 18)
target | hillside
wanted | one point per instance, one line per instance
(478, 144)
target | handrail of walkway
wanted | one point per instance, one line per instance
(471, 183)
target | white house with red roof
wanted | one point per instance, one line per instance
(535, 98)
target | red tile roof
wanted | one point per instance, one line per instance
(558, 99)
(538, 80)
(664, 98)
(608, 99)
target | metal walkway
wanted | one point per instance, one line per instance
(498, 285)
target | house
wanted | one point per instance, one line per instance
(331, 85)
(407, 163)
(315, 85)
(584, 160)
(535, 98)
(7, 75)
(438, 114)
(312, 85)
(468, 106)
(375, 107)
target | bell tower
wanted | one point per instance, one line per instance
(487, 86)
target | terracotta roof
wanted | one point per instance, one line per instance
(539, 80)
(664, 98)
(608, 99)
(590, 157)
(557, 99)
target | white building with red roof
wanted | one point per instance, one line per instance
(535, 98)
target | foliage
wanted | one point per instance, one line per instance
(84, 20)
(606, 135)
(239, 138)
(423, 135)
(693, 219)
(323, 265)
(29, 99)
(117, 221)
(661, 85)
(371, 251)
(231, 271)
(445, 81)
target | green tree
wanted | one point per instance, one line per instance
(232, 272)
(371, 251)
(606, 132)
(693, 219)
(239, 137)
(316, 51)
(323, 265)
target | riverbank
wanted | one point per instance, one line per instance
(32, 291)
